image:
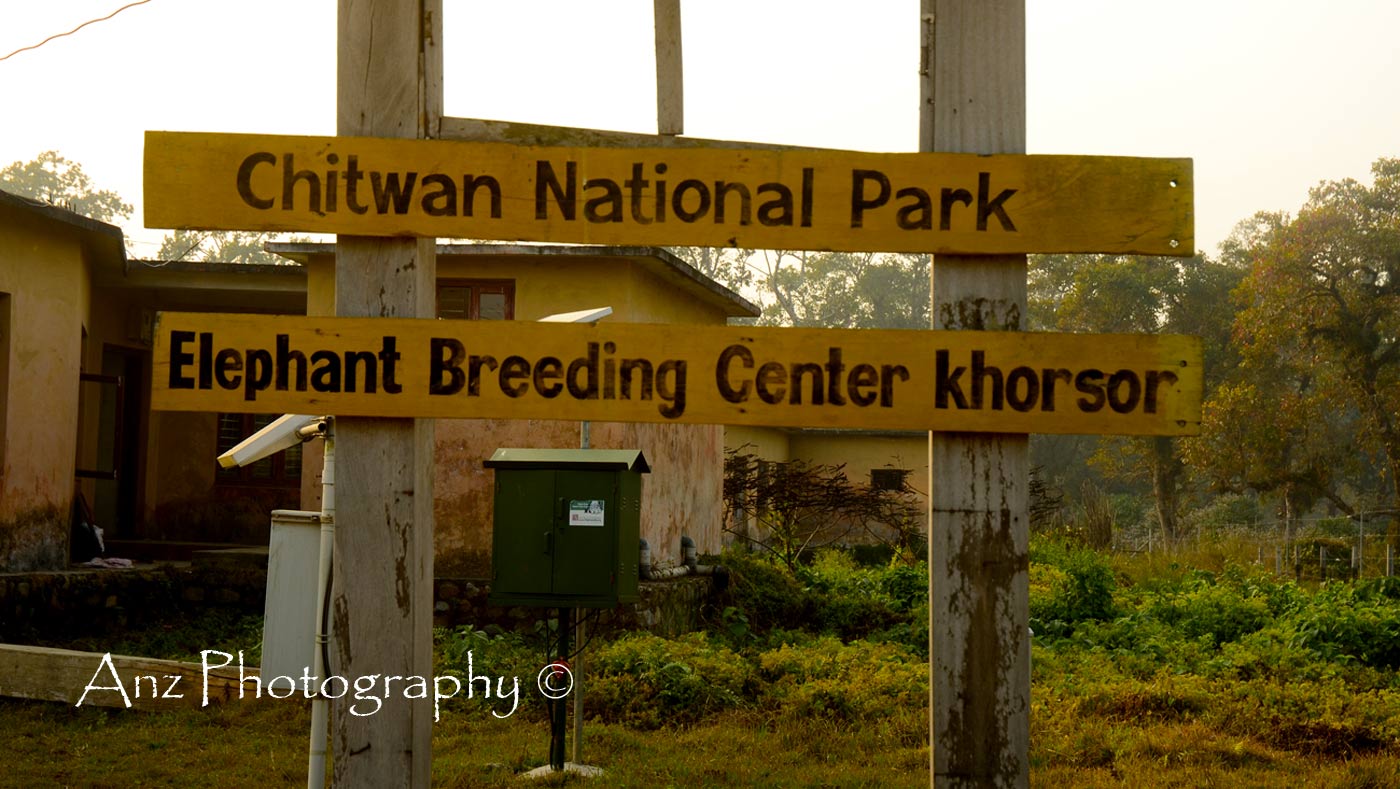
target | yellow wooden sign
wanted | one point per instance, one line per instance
(751, 198)
(626, 372)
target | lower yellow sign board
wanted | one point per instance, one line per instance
(999, 382)
(749, 198)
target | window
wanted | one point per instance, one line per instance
(888, 478)
(282, 469)
(476, 299)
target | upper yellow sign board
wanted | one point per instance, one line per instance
(751, 198)
(626, 372)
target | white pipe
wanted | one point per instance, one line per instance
(320, 705)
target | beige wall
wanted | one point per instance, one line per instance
(768, 443)
(45, 273)
(859, 451)
(681, 496)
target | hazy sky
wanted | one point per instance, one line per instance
(1269, 97)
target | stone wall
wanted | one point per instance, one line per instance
(78, 602)
(668, 607)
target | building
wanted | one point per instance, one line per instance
(47, 258)
(896, 460)
(75, 332)
(681, 496)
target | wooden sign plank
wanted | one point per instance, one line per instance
(627, 372)
(798, 199)
(99, 679)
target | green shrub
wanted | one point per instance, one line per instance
(1075, 585)
(1221, 612)
(1353, 623)
(855, 681)
(906, 586)
(875, 555)
(647, 681)
(464, 652)
(851, 617)
(832, 595)
(911, 633)
(767, 595)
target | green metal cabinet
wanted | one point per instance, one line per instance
(566, 527)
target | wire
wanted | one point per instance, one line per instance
(76, 29)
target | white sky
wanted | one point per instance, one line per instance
(1268, 96)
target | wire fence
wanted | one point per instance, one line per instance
(1303, 548)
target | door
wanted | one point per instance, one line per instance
(586, 506)
(523, 542)
(119, 441)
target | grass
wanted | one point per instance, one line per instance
(1147, 672)
(261, 744)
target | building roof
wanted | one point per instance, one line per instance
(655, 259)
(572, 459)
(99, 238)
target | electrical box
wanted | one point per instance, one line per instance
(567, 526)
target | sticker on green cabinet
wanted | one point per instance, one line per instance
(585, 512)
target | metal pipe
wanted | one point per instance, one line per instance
(688, 554)
(578, 687)
(320, 705)
(1360, 542)
(558, 723)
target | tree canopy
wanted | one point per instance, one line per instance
(218, 246)
(1132, 294)
(1318, 329)
(854, 290)
(58, 181)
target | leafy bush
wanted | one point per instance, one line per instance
(1074, 585)
(465, 652)
(767, 595)
(1221, 612)
(906, 586)
(855, 681)
(1361, 623)
(912, 633)
(647, 681)
(834, 595)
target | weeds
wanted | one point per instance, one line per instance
(1224, 676)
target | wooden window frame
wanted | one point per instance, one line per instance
(505, 287)
(245, 476)
(882, 478)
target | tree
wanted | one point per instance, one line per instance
(853, 290)
(58, 181)
(725, 265)
(1323, 298)
(1144, 295)
(218, 246)
(1274, 432)
(1272, 427)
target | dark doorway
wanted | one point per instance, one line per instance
(119, 441)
